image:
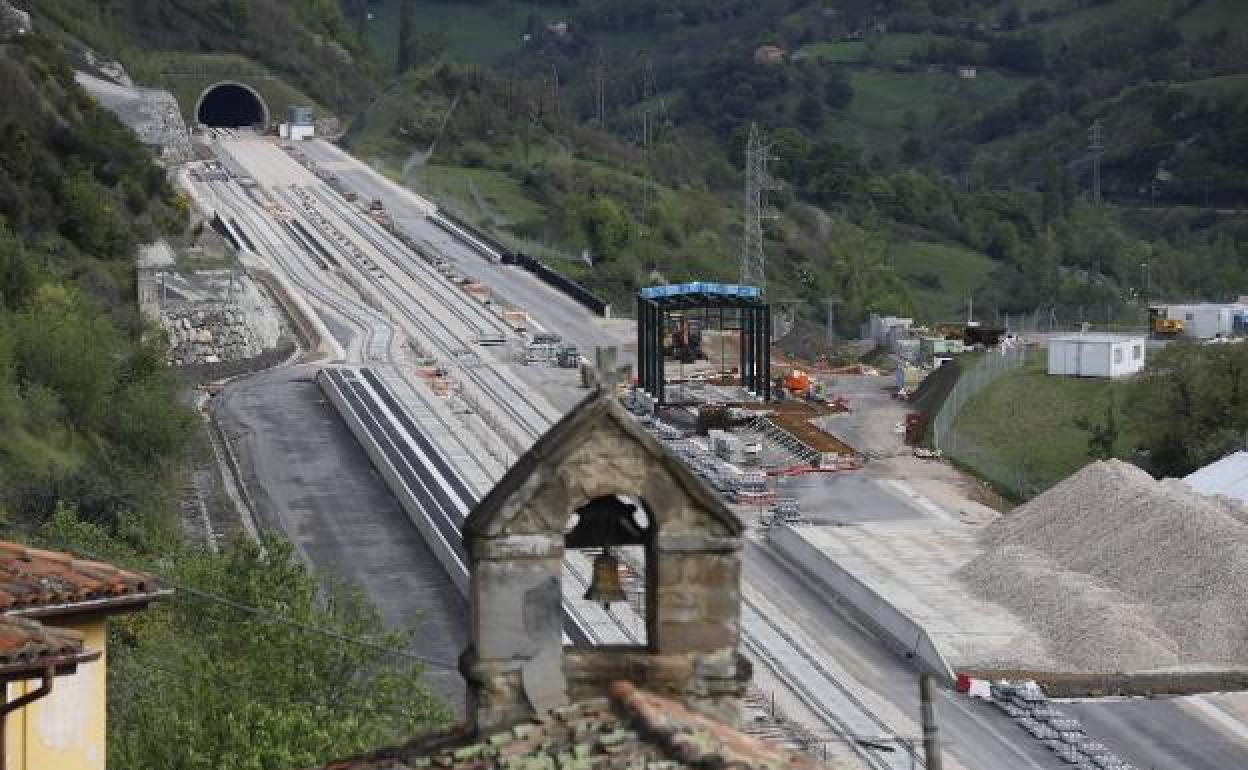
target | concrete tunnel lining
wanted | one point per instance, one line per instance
(231, 104)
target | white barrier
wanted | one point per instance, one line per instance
(431, 534)
(894, 626)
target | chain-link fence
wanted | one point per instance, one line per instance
(1011, 477)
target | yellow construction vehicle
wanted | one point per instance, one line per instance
(1161, 326)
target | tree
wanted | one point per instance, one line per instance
(810, 113)
(911, 150)
(837, 92)
(407, 35)
(65, 346)
(1190, 405)
(1022, 53)
(17, 273)
(790, 149)
(1102, 436)
(608, 227)
(197, 683)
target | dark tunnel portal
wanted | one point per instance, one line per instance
(229, 105)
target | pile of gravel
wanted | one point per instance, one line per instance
(1118, 572)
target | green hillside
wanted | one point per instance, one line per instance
(307, 42)
(952, 134)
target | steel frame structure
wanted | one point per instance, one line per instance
(740, 307)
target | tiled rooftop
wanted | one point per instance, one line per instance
(26, 645)
(32, 579)
(631, 730)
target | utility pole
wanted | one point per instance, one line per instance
(554, 75)
(753, 263)
(1096, 147)
(931, 737)
(832, 302)
(361, 20)
(600, 90)
(407, 35)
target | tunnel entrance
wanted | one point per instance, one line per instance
(231, 105)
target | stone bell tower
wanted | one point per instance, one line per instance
(517, 665)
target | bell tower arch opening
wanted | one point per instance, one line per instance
(597, 480)
(231, 104)
(615, 536)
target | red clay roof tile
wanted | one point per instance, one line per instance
(31, 579)
(28, 646)
(635, 729)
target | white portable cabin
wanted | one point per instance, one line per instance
(1096, 355)
(1205, 320)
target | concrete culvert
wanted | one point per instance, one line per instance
(231, 105)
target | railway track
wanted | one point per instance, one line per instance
(377, 330)
(520, 408)
(811, 681)
(447, 498)
(442, 495)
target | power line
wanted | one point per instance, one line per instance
(271, 617)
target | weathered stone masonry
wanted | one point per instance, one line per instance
(516, 665)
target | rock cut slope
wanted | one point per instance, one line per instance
(1119, 572)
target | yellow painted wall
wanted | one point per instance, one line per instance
(65, 729)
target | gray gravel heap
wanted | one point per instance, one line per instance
(1119, 572)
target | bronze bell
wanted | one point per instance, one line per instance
(605, 586)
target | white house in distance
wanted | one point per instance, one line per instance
(1096, 355)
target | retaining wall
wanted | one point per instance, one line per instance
(894, 626)
(432, 536)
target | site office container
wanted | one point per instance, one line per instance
(1205, 320)
(1095, 355)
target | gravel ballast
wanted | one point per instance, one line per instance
(1118, 572)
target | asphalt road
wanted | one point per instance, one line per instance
(846, 498)
(310, 480)
(1202, 732)
(975, 735)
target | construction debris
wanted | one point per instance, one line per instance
(1118, 572)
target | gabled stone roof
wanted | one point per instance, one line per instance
(629, 730)
(526, 477)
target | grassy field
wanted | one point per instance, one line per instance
(1026, 420)
(890, 48)
(488, 196)
(959, 271)
(834, 52)
(1213, 15)
(1068, 24)
(480, 33)
(877, 115)
(1226, 85)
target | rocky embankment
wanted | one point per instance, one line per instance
(209, 333)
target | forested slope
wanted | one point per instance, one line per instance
(94, 443)
(307, 42)
(87, 410)
(947, 140)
